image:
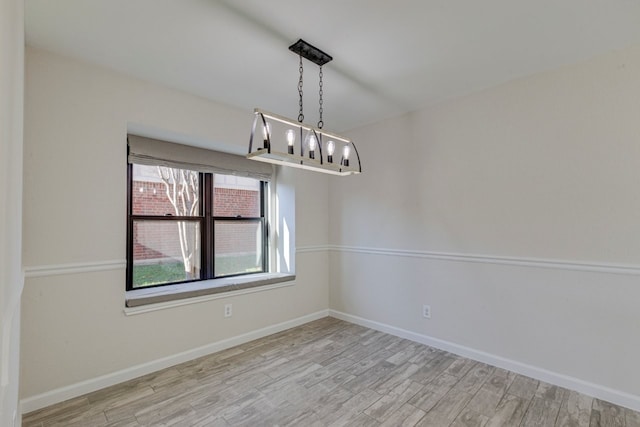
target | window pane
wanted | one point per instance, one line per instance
(159, 190)
(165, 252)
(236, 196)
(238, 247)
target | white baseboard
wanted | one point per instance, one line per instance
(595, 390)
(39, 401)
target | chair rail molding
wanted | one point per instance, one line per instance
(573, 265)
(74, 268)
(113, 264)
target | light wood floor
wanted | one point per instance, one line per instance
(330, 372)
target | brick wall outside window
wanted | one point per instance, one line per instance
(151, 241)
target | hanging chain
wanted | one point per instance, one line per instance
(320, 122)
(300, 115)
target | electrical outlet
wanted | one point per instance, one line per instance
(228, 310)
(426, 311)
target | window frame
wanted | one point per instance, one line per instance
(262, 219)
(206, 219)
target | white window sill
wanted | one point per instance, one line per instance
(151, 299)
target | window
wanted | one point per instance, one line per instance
(188, 226)
(188, 221)
(239, 225)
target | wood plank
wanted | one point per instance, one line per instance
(470, 418)
(541, 413)
(335, 381)
(433, 368)
(252, 409)
(325, 372)
(130, 422)
(550, 392)
(394, 378)
(509, 412)
(80, 420)
(77, 404)
(369, 377)
(605, 414)
(575, 410)
(403, 355)
(175, 416)
(208, 394)
(361, 420)
(292, 393)
(426, 354)
(328, 404)
(475, 378)
(292, 415)
(208, 421)
(499, 381)
(406, 416)
(364, 364)
(460, 366)
(352, 408)
(391, 402)
(632, 418)
(431, 394)
(485, 402)
(447, 409)
(523, 387)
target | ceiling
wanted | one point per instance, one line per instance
(390, 57)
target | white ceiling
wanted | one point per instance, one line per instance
(390, 57)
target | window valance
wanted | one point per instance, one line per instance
(154, 152)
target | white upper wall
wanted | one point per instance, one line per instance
(543, 167)
(76, 150)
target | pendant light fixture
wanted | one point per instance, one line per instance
(293, 143)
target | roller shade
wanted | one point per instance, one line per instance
(154, 152)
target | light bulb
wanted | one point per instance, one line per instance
(312, 146)
(345, 155)
(291, 138)
(266, 133)
(331, 148)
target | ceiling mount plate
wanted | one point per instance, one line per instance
(310, 52)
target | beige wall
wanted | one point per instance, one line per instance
(513, 212)
(74, 328)
(11, 277)
(514, 207)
